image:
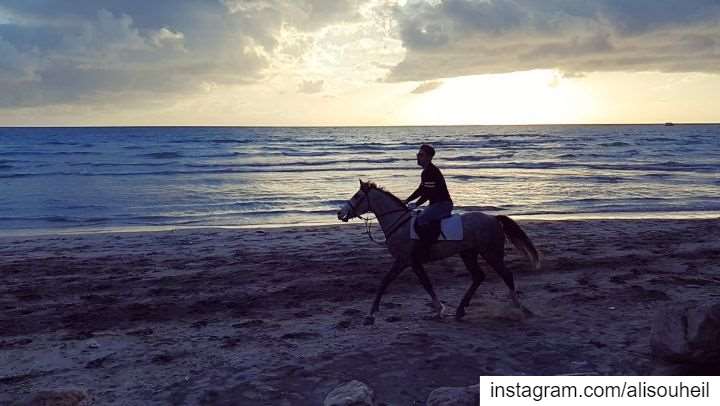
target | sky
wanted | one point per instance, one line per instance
(358, 62)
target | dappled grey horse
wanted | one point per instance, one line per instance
(483, 235)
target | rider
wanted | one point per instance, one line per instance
(433, 188)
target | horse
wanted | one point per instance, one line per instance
(483, 235)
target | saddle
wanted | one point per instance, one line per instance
(448, 229)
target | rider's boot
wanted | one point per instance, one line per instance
(421, 247)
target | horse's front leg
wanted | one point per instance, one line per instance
(393, 273)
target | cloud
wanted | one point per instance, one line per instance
(311, 86)
(166, 37)
(119, 51)
(426, 87)
(464, 37)
(306, 15)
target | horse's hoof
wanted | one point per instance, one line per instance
(445, 310)
(369, 321)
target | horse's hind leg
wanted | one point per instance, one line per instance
(495, 257)
(470, 260)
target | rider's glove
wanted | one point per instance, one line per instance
(412, 206)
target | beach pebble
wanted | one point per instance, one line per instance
(466, 396)
(353, 393)
(688, 335)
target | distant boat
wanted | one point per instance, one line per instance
(669, 124)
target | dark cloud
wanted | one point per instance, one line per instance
(463, 37)
(85, 51)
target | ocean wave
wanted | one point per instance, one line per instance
(361, 166)
(309, 153)
(162, 155)
(230, 141)
(499, 143)
(619, 208)
(116, 164)
(594, 178)
(601, 201)
(479, 208)
(225, 155)
(205, 217)
(658, 175)
(290, 211)
(72, 144)
(334, 203)
(47, 153)
(85, 207)
(18, 175)
(657, 139)
(281, 165)
(479, 157)
(96, 220)
(641, 167)
(467, 178)
(58, 143)
(48, 219)
(615, 144)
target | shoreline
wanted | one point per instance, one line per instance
(660, 215)
(275, 316)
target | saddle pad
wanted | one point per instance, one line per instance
(451, 229)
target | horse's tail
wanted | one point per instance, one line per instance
(520, 240)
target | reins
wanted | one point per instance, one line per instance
(368, 224)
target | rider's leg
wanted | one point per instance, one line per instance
(427, 227)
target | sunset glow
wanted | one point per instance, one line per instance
(376, 62)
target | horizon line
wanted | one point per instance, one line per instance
(351, 126)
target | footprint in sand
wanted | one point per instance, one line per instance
(301, 335)
(352, 312)
(344, 324)
(249, 323)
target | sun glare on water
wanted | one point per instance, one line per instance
(533, 97)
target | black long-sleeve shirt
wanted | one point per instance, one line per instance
(432, 187)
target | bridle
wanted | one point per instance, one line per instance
(393, 227)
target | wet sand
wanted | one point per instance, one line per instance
(275, 316)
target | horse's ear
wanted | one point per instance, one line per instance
(363, 185)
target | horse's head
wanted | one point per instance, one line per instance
(358, 205)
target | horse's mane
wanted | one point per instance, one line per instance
(372, 185)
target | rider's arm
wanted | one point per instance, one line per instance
(427, 185)
(414, 194)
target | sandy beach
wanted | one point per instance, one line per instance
(275, 316)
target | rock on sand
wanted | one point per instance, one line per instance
(687, 335)
(353, 393)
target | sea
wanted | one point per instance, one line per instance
(69, 180)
